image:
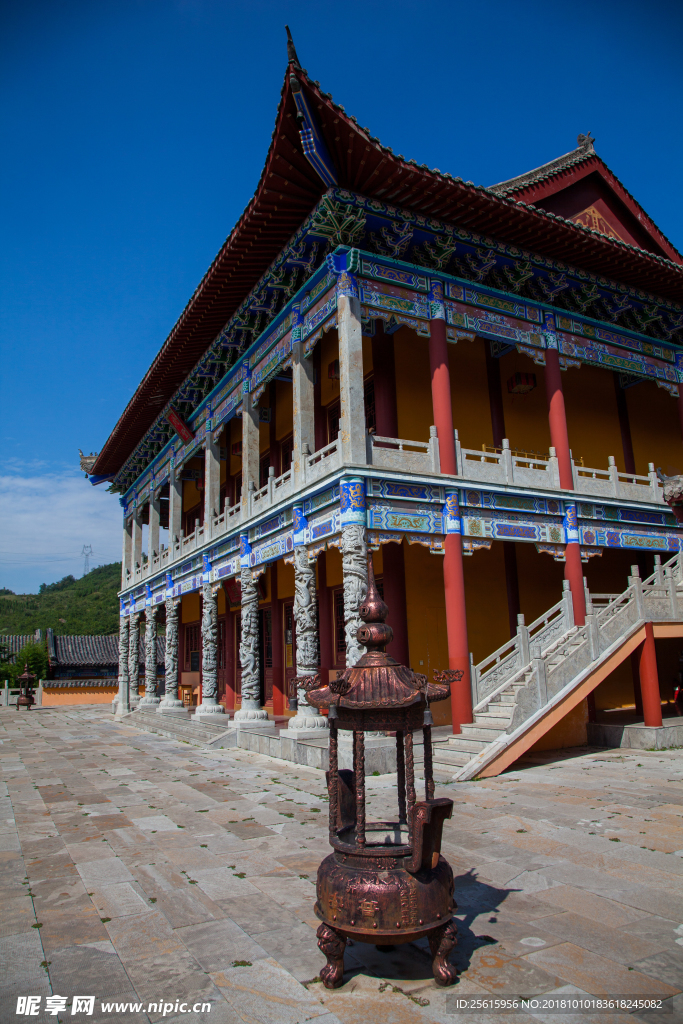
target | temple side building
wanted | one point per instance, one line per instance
(476, 385)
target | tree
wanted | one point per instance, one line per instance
(35, 656)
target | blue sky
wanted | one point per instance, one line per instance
(134, 133)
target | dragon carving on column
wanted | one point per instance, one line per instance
(355, 575)
(209, 643)
(124, 678)
(171, 656)
(249, 654)
(150, 657)
(307, 657)
(134, 657)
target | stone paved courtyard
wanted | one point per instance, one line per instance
(143, 869)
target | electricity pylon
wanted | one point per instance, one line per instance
(86, 552)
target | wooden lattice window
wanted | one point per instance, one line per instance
(221, 643)
(192, 647)
(339, 633)
(267, 638)
(286, 452)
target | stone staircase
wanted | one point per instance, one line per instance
(538, 669)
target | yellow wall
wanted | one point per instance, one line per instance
(592, 418)
(191, 494)
(427, 640)
(190, 607)
(329, 350)
(526, 416)
(221, 602)
(235, 435)
(469, 393)
(413, 385)
(285, 580)
(283, 409)
(655, 428)
(571, 731)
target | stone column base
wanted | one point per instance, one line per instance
(149, 701)
(251, 718)
(173, 709)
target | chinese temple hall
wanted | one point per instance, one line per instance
(481, 387)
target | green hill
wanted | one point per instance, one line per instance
(86, 606)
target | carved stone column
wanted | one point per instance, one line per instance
(150, 697)
(251, 713)
(134, 658)
(307, 643)
(351, 396)
(355, 577)
(121, 703)
(209, 706)
(171, 705)
(354, 561)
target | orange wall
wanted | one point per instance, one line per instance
(80, 695)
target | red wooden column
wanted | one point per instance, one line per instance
(624, 424)
(498, 431)
(386, 419)
(649, 679)
(229, 656)
(276, 635)
(324, 620)
(453, 575)
(559, 439)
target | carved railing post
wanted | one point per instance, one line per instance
(522, 641)
(636, 583)
(670, 584)
(171, 704)
(541, 675)
(134, 658)
(150, 696)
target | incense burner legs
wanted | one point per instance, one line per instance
(441, 942)
(331, 944)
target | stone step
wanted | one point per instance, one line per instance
(488, 718)
(461, 742)
(452, 758)
(481, 732)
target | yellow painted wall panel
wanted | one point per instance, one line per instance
(571, 731)
(191, 607)
(413, 385)
(526, 416)
(655, 428)
(469, 393)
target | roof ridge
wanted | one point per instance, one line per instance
(582, 152)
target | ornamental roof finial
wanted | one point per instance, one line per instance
(585, 141)
(291, 50)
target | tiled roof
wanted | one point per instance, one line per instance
(69, 684)
(17, 643)
(289, 190)
(561, 163)
(97, 650)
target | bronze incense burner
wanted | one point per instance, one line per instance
(386, 882)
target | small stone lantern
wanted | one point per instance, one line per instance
(386, 881)
(26, 683)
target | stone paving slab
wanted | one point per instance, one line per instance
(139, 868)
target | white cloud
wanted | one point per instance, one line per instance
(46, 519)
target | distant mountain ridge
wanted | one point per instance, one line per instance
(89, 605)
